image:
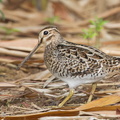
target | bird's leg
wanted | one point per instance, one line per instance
(67, 98)
(94, 85)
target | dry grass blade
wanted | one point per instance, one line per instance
(69, 118)
(48, 81)
(108, 91)
(40, 90)
(37, 76)
(43, 75)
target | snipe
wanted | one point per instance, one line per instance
(75, 64)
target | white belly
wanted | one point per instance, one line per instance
(74, 82)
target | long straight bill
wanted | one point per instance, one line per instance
(30, 54)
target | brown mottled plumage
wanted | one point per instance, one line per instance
(75, 64)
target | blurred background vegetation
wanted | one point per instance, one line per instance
(17, 18)
(90, 22)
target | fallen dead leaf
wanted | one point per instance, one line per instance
(6, 85)
(111, 99)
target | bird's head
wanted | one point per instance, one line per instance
(46, 36)
(49, 34)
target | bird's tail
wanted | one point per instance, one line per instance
(117, 59)
(115, 69)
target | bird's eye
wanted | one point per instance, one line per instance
(45, 32)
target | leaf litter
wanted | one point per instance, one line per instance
(30, 93)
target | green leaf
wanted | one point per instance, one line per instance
(88, 34)
(98, 23)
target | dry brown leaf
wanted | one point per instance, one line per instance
(112, 50)
(73, 6)
(4, 51)
(6, 85)
(61, 11)
(108, 91)
(112, 25)
(37, 76)
(7, 60)
(20, 44)
(69, 118)
(22, 16)
(43, 75)
(111, 99)
(108, 84)
(103, 114)
(105, 108)
(38, 115)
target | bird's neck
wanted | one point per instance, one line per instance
(55, 40)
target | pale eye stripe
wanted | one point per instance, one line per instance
(56, 30)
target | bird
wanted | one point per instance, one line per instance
(75, 64)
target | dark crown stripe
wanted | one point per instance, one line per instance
(50, 27)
